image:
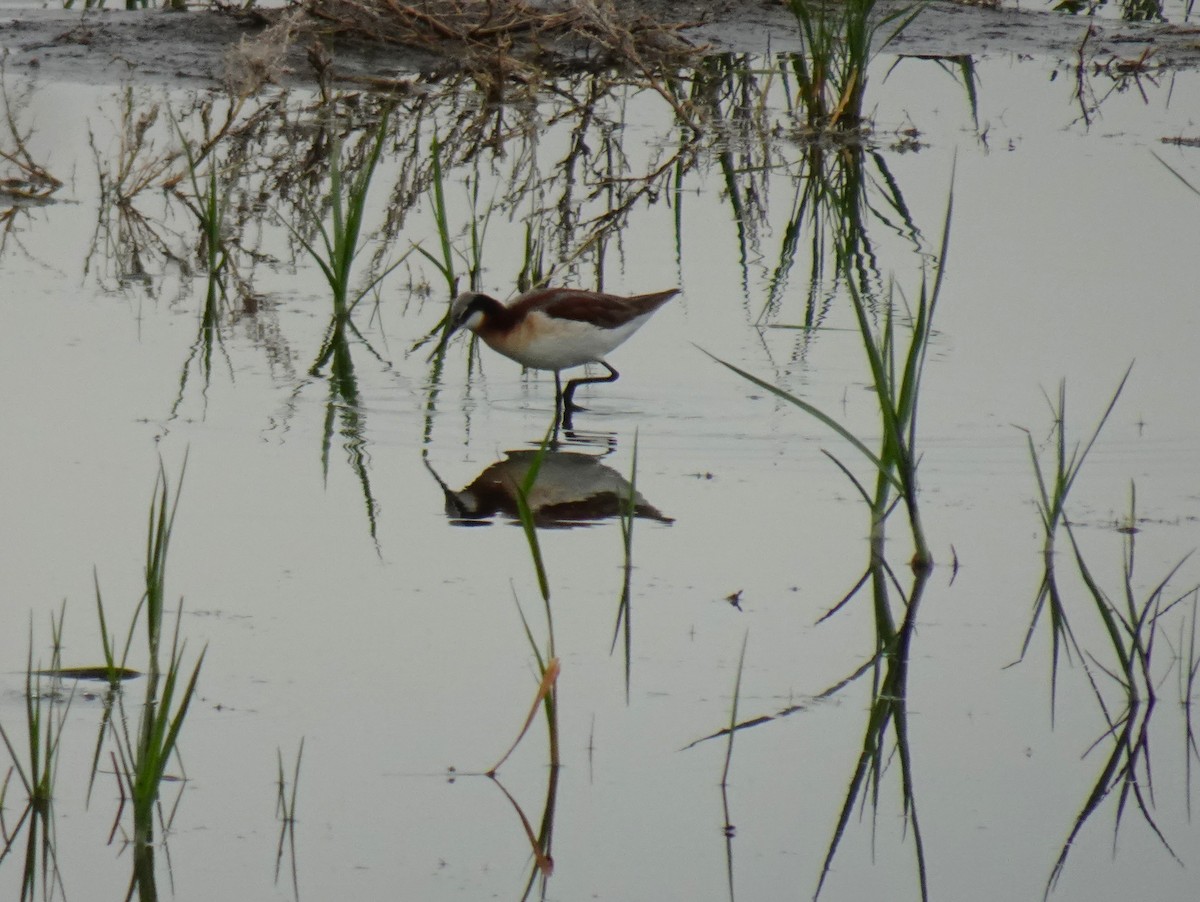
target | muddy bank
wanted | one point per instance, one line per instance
(102, 46)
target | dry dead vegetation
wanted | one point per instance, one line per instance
(499, 41)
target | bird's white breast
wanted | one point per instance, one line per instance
(547, 343)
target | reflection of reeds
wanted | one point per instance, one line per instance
(733, 716)
(1189, 670)
(37, 771)
(1130, 10)
(43, 727)
(1054, 486)
(23, 179)
(341, 241)
(888, 713)
(1131, 626)
(138, 163)
(887, 718)
(628, 514)
(285, 810)
(728, 829)
(633, 505)
(1119, 669)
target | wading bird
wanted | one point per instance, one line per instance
(557, 328)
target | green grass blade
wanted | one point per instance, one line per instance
(818, 414)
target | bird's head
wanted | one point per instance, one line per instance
(468, 310)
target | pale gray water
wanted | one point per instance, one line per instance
(398, 655)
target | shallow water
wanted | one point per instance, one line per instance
(339, 603)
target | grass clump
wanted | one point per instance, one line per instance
(896, 371)
(37, 770)
(839, 42)
(144, 755)
(340, 241)
(43, 727)
(1054, 482)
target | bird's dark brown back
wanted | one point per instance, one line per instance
(605, 310)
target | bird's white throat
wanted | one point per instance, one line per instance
(474, 321)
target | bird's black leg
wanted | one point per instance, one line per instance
(569, 395)
(562, 413)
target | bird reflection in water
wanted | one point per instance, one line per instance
(572, 489)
